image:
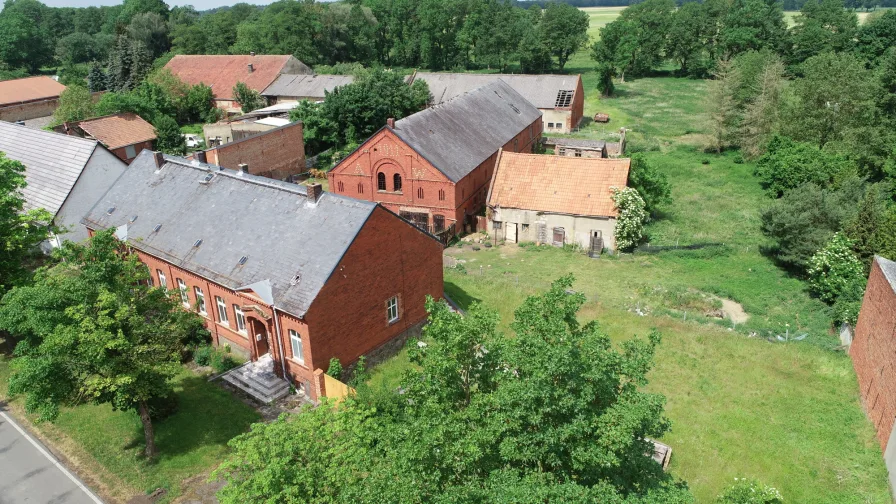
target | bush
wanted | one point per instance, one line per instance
(221, 362)
(203, 355)
(632, 217)
(651, 184)
(745, 491)
(788, 164)
(335, 369)
(834, 269)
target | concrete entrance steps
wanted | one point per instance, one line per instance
(258, 380)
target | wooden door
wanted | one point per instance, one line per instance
(511, 232)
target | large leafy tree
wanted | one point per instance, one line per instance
(752, 25)
(877, 35)
(788, 164)
(21, 230)
(75, 104)
(823, 25)
(556, 413)
(92, 329)
(635, 42)
(564, 30)
(651, 183)
(24, 39)
(248, 98)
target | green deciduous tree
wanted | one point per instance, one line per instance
(24, 40)
(168, 136)
(21, 231)
(564, 30)
(555, 414)
(651, 184)
(788, 164)
(75, 104)
(93, 330)
(877, 35)
(823, 25)
(752, 25)
(249, 99)
(635, 42)
(837, 277)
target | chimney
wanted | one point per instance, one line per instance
(200, 156)
(244, 167)
(251, 53)
(159, 158)
(390, 122)
(251, 68)
(313, 192)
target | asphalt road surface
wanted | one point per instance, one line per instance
(30, 474)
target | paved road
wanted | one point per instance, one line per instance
(30, 474)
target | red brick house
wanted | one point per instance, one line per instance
(278, 153)
(287, 273)
(873, 353)
(124, 134)
(433, 168)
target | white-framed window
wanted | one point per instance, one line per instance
(200, 300)
(182, 287)
(392, 309)
(222, 310)
(295, 340)
(240, 318)
(163, 282)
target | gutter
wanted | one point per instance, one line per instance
(279, 341)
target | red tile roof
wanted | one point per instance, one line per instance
(557, 184)
(119, 130)
(222, 72)
(29, 89)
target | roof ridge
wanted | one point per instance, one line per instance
(39, 131)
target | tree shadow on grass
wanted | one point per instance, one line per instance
(460, 296)
(208, 416)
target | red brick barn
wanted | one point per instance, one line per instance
(434, 167)
(873, 353)
(290, 274)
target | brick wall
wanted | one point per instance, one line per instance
(873, 353)
(578, 106)
(121, 152)
(388, 258)
(356, 176)
(277, 153)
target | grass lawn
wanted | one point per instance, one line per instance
(107, 445)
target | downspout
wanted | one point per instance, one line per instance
(279, 342)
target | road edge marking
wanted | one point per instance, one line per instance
(51, 458)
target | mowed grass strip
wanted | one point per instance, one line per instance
(107, 445)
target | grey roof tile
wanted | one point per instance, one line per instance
(235, 215)
(458, 135)
(540, 90)
(306, 85)
(53, 162)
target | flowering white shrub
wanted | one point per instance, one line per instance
(632, 216)
(745, 491)
(835, 270)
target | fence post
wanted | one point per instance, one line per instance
(320, 389)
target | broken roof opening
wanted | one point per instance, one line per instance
(564, 98)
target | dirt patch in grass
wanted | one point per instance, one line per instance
(734, 311)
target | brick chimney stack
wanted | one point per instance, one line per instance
(244, 167)
(251, 68)
(390, 122)
(159, 158)
(200, 156)
(313, 192)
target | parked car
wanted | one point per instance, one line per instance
(193, 141)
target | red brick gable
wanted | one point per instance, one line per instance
(384, 147)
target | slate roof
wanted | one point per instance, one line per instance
(557, 184)
(222, 72)
(458, 135)
(888, 267)
(119, 130)
(306, 86)
(234, 214)
(53, 162)
(29, 89)
(576, 142)
(540, 90)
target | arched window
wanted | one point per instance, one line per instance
(396, 183)
(419, 193)
(380, 181)
(341, 187)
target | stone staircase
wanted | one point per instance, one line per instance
(258, 380)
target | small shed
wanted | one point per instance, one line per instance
(577, 147)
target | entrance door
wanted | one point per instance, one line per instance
(597, 244)
(511, 235)
(261, 337)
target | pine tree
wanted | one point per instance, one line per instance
(96, 78)
(723, 115)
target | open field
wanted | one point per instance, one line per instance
(107, 445)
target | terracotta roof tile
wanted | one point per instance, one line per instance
(119, 130)
(222, 72)
(29, 89)
(558, 184)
